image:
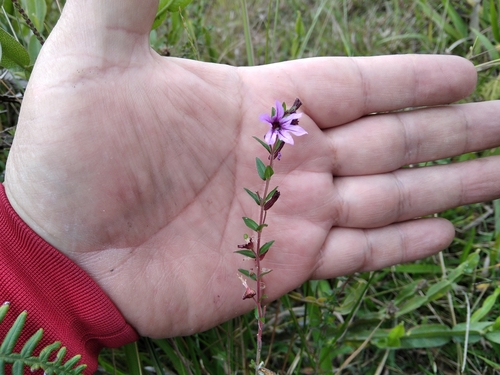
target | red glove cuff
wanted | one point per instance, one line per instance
(58, 296)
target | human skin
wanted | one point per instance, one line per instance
(133, 165)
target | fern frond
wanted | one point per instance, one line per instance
(26, 358)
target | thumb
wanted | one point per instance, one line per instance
(108, 32)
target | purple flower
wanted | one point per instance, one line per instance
(281, 126)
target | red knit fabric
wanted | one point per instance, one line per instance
(58, 296)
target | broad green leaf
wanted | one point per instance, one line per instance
(408, 291)
(250, 223)
(13, 53)
(247, 253)
(268, 172)
(439, 289)
(261, 168)
(476, 331)
(496, 325)
(161, 13)
(36, 11)
(254, 196)
(426, 336)
(413, 304)
(265, 247)
(488, 304)
(165, 6)
(354, 294)
(176, 4)
(394, 336)
(34, 48)
(493, 337)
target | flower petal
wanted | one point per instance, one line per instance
(296, 130)
(279, 110)
(266, 118)
(285, 137)
(270, 137)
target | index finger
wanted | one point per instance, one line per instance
(337, 90)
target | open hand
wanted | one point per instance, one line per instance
(133, 165)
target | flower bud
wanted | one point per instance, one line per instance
(272, 200)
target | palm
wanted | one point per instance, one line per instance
(146, 158)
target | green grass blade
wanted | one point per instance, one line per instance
(132, 358)
(248, 37)
(494, 21)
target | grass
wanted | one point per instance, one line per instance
(406, 319)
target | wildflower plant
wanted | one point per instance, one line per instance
(283, 123)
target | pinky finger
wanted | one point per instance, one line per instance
(348, 250)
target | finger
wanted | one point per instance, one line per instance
(379, 200)
(337, 90)
(387, 142)
(109, 31)
(353, 250)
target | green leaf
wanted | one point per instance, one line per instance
(176, 4)
(264, 249)
(488, 46)
(31, 344)
(132, 358)
(264, 144)
(250, 223)
(13, 53)
(247, 253)
(493, 337)
(488, 304)
(161, 13)
(260, 227)
(268, 172)
(265, 273)
(494, 21)
(426, 336)
(254, 196)
(165, 6)
(261, 168)
(270, 195)
(393, 338)
(412, 304)
(460, 25)
(247, 273)
(3, 310)
(36, 11)
(47, 351)
(34, 48)
(13, 334)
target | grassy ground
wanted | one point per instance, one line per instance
(407, 319)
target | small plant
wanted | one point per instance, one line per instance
(26, 358)
(283, 123)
